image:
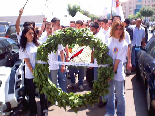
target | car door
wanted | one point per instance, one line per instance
(8, 53)
(149, 61)
(2, 54)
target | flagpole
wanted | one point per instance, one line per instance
(111, 13)
(25, 4)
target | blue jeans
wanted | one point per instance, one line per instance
(80, 71)
(61, 78)
(119, 87)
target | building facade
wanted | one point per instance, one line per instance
(131, 7)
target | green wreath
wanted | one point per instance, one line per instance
(70, 36)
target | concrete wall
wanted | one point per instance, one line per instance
(12, 19)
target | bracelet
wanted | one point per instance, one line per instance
(44, 21)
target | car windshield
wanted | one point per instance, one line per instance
(14, 45)
(12, 29)
(10, 55)
(2, 29)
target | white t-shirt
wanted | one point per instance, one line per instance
(54, 57)
(118, 50)
(30, 52)
(127, 37)
(19, 36)
(101, 36)
(42, 39)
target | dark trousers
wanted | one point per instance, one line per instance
(31, 87)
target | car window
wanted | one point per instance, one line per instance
(2, 28)
(6, 27)
(2, 50)
(12, 29)
(2, 55)
(152, 53)
(7, 44)
(15, 48)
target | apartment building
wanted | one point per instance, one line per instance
(131, 7)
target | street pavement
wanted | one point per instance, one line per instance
(134, 95)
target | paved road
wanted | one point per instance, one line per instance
(135, 102)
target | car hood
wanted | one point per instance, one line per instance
(4, 73)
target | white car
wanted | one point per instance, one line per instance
(12, 87)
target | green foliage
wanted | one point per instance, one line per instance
(88, 14)
(147, 11)
(138, 15)
(72, 10)
(131, 17)
(70, 36)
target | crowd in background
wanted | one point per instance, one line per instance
(122, 38)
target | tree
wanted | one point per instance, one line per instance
(85, 12)
(88, 14)
(147, 11)
(72, 10)
(131, 17)
(138, 15)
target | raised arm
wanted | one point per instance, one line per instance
(43, 25)
(18, 21)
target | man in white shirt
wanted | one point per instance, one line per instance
(53, 56)
(138, 39)
(94, 27)
(61, 74)
(104, 25)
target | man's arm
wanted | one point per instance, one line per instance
(18, 21)
(129, 65)
(43, 25)
(63, 60)
(67, 53)
(143, 42)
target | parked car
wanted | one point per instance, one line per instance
(145, 70)
(11, 77)
(11, 32)
(3, 28)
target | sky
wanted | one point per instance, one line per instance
(58, 7)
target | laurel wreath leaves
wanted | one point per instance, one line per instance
(70, 36)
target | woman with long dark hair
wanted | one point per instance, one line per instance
(118, 51)
(28, 51)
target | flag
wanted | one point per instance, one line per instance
(118, 8)
(77, 53)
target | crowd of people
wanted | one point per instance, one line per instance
(120, 37)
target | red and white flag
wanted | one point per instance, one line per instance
(117, 6)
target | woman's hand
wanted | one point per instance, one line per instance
(62, 68)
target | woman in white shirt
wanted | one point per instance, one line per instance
(28, 49)
(118, 51)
